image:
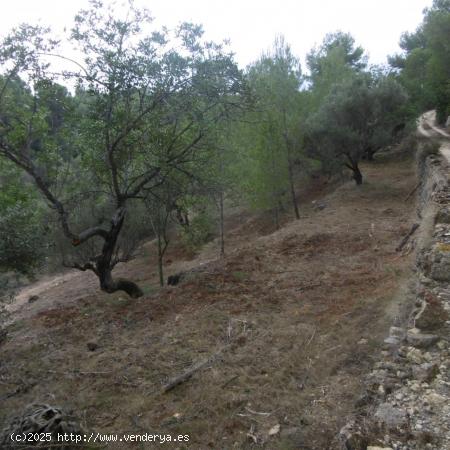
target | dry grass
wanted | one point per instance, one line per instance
(287, 308)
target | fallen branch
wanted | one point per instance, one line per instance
(224, 385)
(251, 411)
(77, 372)
(185, 376)
(412, 192)
(406, 238)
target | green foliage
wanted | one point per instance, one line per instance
(23, 241)
(268, 143)
(144, 111)
(199, 231)
(356, 119)
(21, 246)
(168, 118)
(335, 60)
(425, 65)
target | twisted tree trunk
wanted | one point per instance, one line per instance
(105, 263)
(354, 167)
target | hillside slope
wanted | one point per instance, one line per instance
(292, 319)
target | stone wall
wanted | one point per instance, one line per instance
(407, 400)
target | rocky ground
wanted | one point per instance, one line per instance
(407, 400)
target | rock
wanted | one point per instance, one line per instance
(426, 372)
(391, 416)
(33, 298)
(414, 355)
(352, 437)
(447, 122)
(289, 432)
(443, 215)
(397, 332)
(420, 340)
(435, 399)
(439, 262)
(402, 375)
(363, 400)
(425, 280)
(386, 365)
(391, 343)
(173, 280)
(431, 316)
(371, 447)
(319, 206)
(92, 346)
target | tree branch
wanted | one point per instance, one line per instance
(25, 164)
(83, 268)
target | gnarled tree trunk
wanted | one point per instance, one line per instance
(109, 285)
(104, 263)
(354, 167)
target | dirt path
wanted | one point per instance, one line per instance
(428, 128)
(298, 314)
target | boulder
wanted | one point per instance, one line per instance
(391, 343)
(397, 332)
(420, 340)
(415, 356)
(431, 316)
(391, 416)
(439, 262)
(425, 372)
(443, 215)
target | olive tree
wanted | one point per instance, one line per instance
(356, 119)
(145, 103)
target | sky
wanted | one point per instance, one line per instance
(251, 25)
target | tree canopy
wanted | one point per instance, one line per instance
(161, 124)
(356, 119)
(425, 63)
(143, 110)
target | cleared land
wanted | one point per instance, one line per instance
(298, 316)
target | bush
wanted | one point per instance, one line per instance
(427, 149)
(199, 231)
(21, 243)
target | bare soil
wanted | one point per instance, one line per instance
(298, 316)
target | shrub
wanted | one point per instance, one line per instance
(21, 245)
(199, 231)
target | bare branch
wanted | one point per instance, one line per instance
(25, 164)
(88, 234)
(146, 178)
